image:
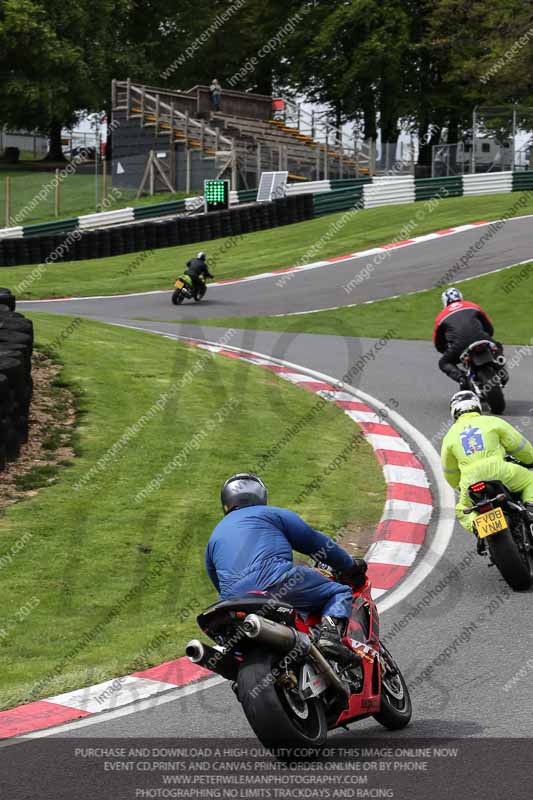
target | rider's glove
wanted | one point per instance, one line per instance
(357, 573)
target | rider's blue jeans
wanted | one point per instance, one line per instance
(307, 590)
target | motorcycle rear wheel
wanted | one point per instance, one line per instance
(396, 707)
(493, 396)
(515, 567)
(177, 297)
(277, 719)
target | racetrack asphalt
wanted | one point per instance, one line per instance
(479, 633)
(405, 269)
(493, 638)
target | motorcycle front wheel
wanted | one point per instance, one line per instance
(396, 708)
(277, 715)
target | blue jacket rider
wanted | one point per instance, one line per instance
(251, 549)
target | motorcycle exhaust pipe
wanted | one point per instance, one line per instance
(278, 637)
(211, 658)
(284, 639)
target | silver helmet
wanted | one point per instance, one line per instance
(464, 402)
(451, 295)
(243, 489)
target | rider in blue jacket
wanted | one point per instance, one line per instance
(251, 549)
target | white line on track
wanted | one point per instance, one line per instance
(405, 294)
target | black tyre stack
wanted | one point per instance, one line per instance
(16, 386)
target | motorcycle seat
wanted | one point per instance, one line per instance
(251, 602)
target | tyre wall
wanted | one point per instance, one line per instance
(16, 347)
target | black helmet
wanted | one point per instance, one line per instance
(243, 489)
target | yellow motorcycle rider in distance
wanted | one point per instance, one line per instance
(198, 271)
(475, 448)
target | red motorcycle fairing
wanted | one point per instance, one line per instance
(362, 637)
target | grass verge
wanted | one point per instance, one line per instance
(505, 295)
(253, 253)
(98, 585)
(77, 195)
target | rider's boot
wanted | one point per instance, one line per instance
(329, 642)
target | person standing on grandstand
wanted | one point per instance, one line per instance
(216, 93)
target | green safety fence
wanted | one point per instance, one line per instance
(523, 181)
(44, 228)
(337, 200)
(246, 195)
(158, 209)
(428, 188)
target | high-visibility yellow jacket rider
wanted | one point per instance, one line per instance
(474, 449)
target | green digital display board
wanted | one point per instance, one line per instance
(216, 195)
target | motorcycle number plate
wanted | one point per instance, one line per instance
(491, 522)
(179, 284)
(311, 683)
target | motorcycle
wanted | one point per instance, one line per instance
(484, 365)
(289, 692)
(503, 531)
(183, 290)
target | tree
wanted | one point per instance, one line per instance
(57, 59)
(234, 49)
(484, 59)
(355, 55)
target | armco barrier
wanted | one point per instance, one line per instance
(338, 200)
(387, 190)
(12, 233)
(158, 209)
(428, 188)
(16, 345)
(523, 181)
(326, 186)
(93, 221)
(89, 244)
(488, 183)
(43, 228)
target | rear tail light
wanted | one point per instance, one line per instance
(483, 509)
(479, 487)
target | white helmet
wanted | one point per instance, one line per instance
(450, 296)
(464, 402)
(201, 255)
